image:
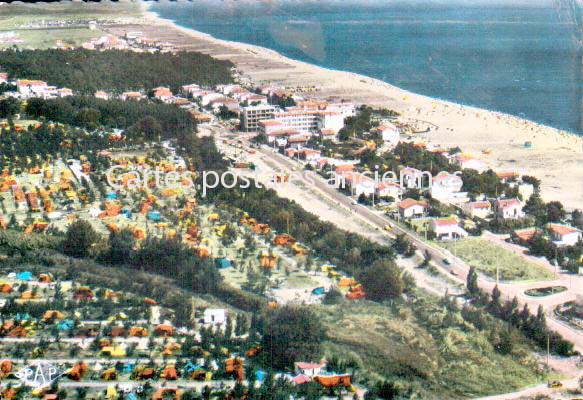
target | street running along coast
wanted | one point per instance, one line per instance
(503, 142)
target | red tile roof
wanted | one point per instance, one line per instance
(561, 229)
(526, 234)
(445, 221)
(480, 205)
(408, 203)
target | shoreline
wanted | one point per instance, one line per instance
(555, 156)
(152, 15)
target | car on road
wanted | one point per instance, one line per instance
(388, 228)
(554, 384)
(446, 261)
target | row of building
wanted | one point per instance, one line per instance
(27, 88)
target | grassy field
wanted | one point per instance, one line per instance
(47, 38)
(16, 18)
(14, 15)
(486, 256)
(424, 350)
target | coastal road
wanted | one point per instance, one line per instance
(457, 269)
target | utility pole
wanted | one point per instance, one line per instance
(548, 349)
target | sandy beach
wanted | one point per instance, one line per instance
(498, 139)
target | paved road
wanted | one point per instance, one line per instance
(457, 269)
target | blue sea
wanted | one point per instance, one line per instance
(524, 60)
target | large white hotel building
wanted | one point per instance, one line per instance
(306, 117)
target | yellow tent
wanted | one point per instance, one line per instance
(111, 392)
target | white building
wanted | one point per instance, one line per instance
(411, 208)
(564, 235)
(64, 92)
(359, 183)
(526, 190)
(189, 89)
(250, 116)
(412, 178)
(32, 88)
(447, 229)
(100, 94)
(465, 161)
(477, 209)
(389, 133)
(207, 97)
(163, 94)
(309, 369)
(508, 208)
(329, 134)
(215, 316)
(388, 189)
(445, 185)
(310, 155)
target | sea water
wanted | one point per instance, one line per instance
(525, 60)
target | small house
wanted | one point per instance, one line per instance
(564, 235)
(215, 316)
(523, 236)
(309, 369)
(411, 208)
(477, 209)
(447, 229)
(508, 209)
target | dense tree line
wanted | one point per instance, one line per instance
(350, 252)
(38, 144)
(169, 258)
(140, 118)
(142, 121)
(117, 71)
(533, 327)
(292, 334)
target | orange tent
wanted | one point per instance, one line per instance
(5, 288)
(331, 381)
(77, 372)
(138, 331)
(283, 240)
(169, 373)
(150, 302)
(51, 315)
(235, 367)
(267, 260)
(164, 330)
(165, 393)
(148, 373)
(5, 368)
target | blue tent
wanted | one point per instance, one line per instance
(24, 276)
(111, 196)
(128, 368)
(127, 213)
(260, 375)
(65, 325)
(22, 317)
(154, 216)
(191, 367)
(131, 396)
(319, 291)
(223, 263)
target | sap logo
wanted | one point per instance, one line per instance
(38, 375)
